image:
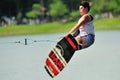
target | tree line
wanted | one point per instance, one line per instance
(56, 9)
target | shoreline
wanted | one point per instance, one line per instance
(56, 27)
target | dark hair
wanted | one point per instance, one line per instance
(85, 4)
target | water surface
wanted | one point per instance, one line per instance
(101, 61)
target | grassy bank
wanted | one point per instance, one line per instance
(107, 24)
(55, 27)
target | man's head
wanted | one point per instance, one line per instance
(84, 7)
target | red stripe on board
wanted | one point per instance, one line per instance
(56, 60)
(51, 67)
(71, 43)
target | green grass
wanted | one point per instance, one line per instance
(107, 24)
(55, 27)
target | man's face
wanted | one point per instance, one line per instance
(82, 10)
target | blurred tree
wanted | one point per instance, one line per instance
(58, 9)
(114, 6)
(34, 12)
(105, 6)
(7, 8)
(75, 14)
(72, 4)
(13, 7)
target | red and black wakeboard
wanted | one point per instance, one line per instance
(60, 55)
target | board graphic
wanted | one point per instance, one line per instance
(60, 55)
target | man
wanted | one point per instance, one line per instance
(85, 26)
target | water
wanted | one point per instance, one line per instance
(101, 61)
